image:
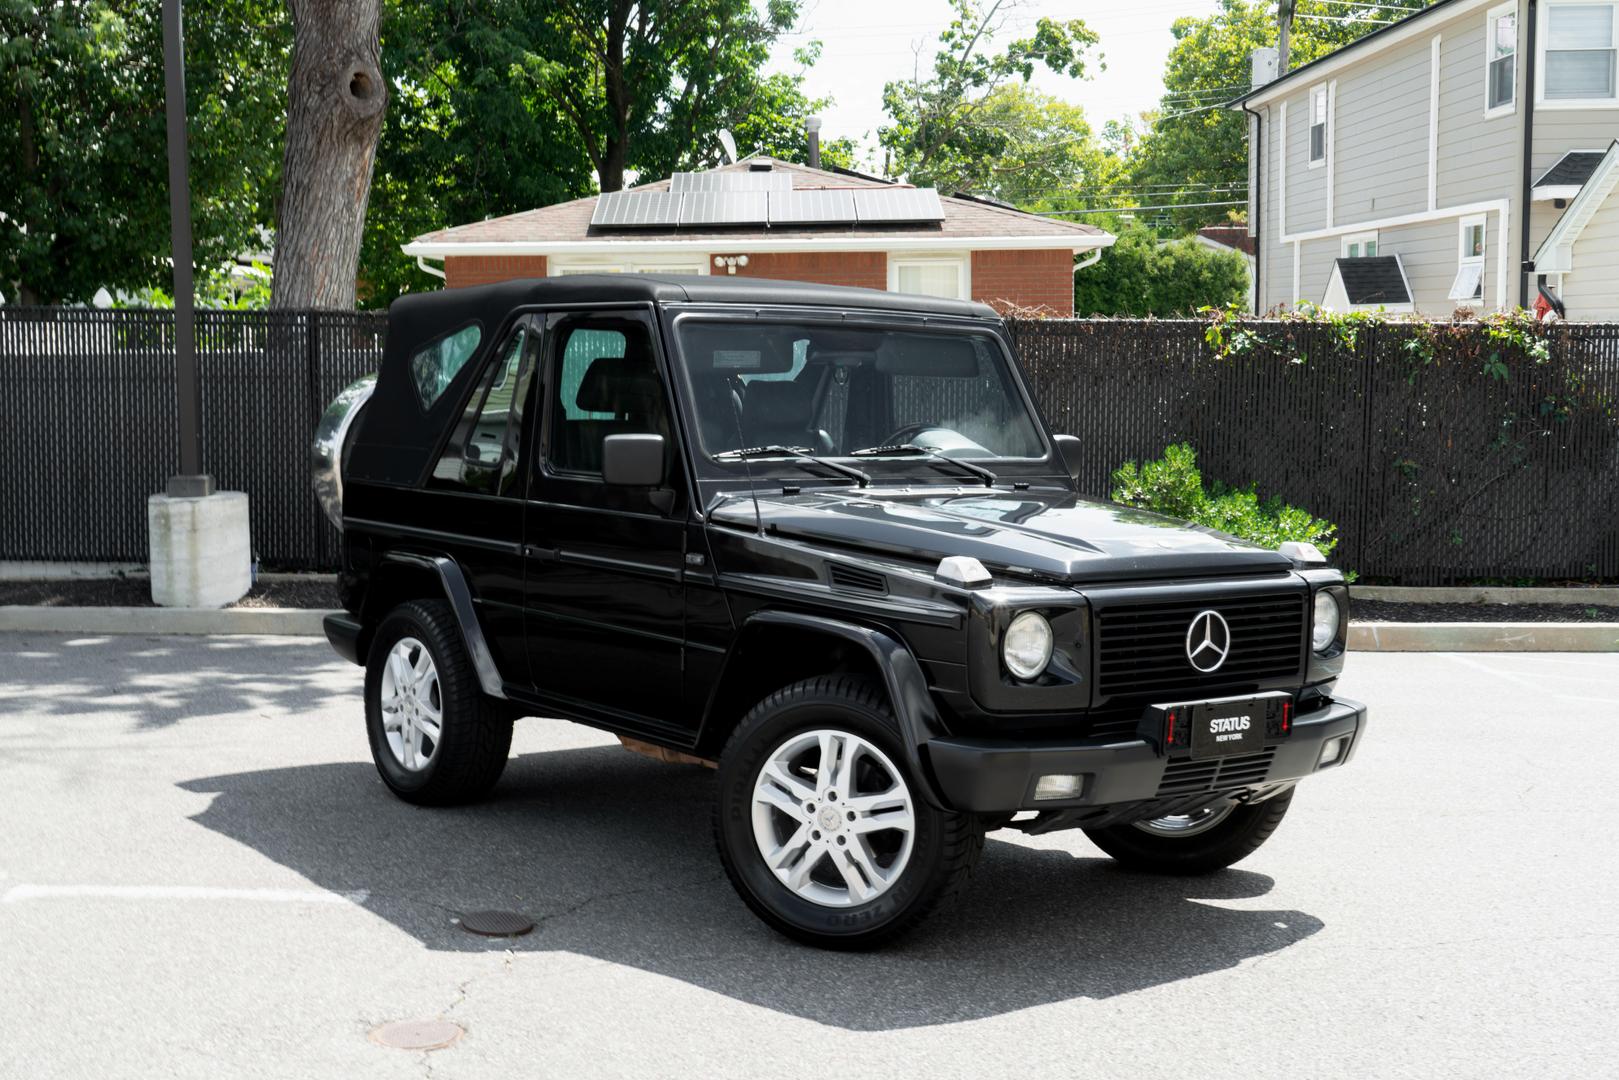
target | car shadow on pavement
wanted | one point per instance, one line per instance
(611, 855)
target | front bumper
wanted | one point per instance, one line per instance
(990, 776)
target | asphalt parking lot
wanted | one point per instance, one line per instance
(201, 875)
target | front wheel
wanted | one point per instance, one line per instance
(821, 825)
(1201, 843)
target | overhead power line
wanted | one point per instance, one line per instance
(1343, 20)
(1139, 209)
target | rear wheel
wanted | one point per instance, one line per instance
(821, 825)
(435, 737)
(1199, 843)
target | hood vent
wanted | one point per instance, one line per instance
(850, 577)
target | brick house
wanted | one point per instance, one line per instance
(771, 219)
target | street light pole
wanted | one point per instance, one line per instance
(191, 482)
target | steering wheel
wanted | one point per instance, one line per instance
(906, 434)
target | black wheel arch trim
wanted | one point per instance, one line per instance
(459, 595)
(906, 685)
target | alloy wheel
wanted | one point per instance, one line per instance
(412, 704)
(833, 818)
(1181, 825)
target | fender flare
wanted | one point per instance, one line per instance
(459, 595)
(907, 687)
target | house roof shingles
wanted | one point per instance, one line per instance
(1573, 169)
(570, 221)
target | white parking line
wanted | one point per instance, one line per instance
(20, 893)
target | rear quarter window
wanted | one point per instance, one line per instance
(434, 366)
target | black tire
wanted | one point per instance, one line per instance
(475, 732)
(945, 846)
(1229, 841)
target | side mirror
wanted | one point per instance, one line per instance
(1072, 454)
(633, 460)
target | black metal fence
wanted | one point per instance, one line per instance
(1441, 456)
(1441, 461)
(88, 424)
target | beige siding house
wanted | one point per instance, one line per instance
(1463, 157)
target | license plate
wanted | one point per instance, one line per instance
(1223, 728)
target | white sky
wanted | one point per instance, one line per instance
(870, 42)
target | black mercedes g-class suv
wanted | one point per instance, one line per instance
(820, 538)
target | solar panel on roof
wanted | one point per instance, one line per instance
(731, 181)
(636, 209)
(879, 205)
(724, 208)
(811, 207)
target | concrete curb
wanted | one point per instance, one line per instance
(1483, 637)
(298, 622)
(1486, 594)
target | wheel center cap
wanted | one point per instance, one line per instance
(831, 820)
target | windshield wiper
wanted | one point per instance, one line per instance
(803, 459)
(937, 455)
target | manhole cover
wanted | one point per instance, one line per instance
(497, 923)
(417, 1034)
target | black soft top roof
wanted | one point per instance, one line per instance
(453, 305)
(396, 436)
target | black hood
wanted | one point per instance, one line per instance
(1046, 534)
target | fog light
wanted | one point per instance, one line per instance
(1332, 750)
(1058, 786)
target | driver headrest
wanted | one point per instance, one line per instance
(617, 384)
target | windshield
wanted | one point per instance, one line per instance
(880, 397)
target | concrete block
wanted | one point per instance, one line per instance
(202, 552)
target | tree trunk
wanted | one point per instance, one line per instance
(335, 98)
(616, 141)
(21, 291)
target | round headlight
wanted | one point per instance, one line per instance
(1327, 616)
(1027, 645)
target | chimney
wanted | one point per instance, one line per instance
(812, 130)
(1265, 67)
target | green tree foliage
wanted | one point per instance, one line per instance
(771, 121)
(1033, 151)
(486, 116)
(961, 128)
(1173, 485)
(1194, 149)
(645, 83)
(1141, 275)
(83, 159)
(464, 137)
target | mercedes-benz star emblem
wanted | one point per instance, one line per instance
(1208, 641)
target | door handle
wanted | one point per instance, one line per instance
(542, 554)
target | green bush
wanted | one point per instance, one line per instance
(1141, 276)
(1173, 485)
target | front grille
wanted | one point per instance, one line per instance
(1183, 776)
(1141, 648)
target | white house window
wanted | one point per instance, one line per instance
(1501, 59)
(1581, 62)
(1318, 126)
(560, 268)
(1469, 284)
(929, 277)
(1359, 246)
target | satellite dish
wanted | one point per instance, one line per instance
(728, 142)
